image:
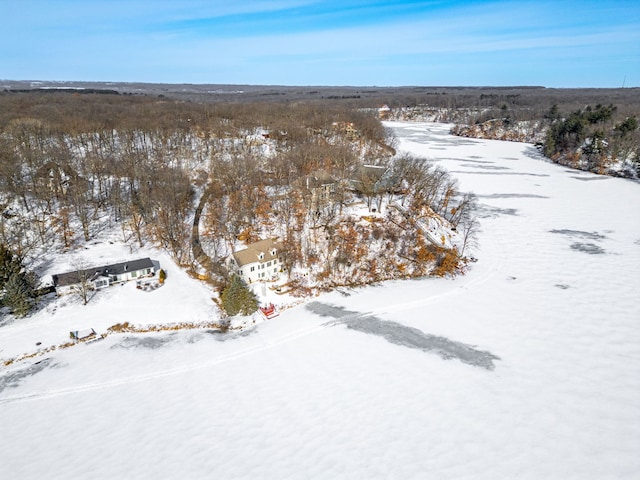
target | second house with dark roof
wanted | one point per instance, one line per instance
(100, 277)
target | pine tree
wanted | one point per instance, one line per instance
(19, 293)
(9, 264)
(237, 298)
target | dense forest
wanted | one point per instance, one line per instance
(198, 178)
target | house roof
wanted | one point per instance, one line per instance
(251, 254)
(71, 278)
(378, 177)
(318, 179)
(372, 172)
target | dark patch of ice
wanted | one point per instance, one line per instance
(590, 248)
(485, 167)
(580, 234)
(229, 335)
(145, 342)
(588, 179)
(326, 310)
(410, 337)
(468, 160)
(562, 286)
(488, 211)
(15, 377)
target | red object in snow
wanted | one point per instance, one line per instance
(269, 311)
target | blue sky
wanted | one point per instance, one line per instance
(339, 42)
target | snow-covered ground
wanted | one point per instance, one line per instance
(526, 367)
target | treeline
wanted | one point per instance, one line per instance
(593, 139)
(73, 165)
(604, 139)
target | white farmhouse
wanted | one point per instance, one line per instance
(258, 262)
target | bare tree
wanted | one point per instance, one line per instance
(81, 276)
(469, 227)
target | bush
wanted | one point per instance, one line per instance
(447, 263)
(162, 276)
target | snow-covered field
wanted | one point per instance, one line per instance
(526, 367)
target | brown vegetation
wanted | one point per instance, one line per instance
(196, 178)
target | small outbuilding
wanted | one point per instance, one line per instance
(85, 334)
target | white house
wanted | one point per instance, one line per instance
(100, 277)
(258, 262)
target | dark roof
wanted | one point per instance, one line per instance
(71, 278)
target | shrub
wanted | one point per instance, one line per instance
(447, 263)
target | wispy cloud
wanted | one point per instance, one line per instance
(348, 41)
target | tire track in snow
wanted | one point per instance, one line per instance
(161, 373)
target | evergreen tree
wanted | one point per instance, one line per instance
(19, 293)
(10, 264)
(237, 298)
(629, 125)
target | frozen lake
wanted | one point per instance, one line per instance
(526, 367)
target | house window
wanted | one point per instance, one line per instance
(253, 268)
(134, 274)
(268, 264)
(275, 261)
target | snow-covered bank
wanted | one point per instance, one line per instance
(551, 306)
